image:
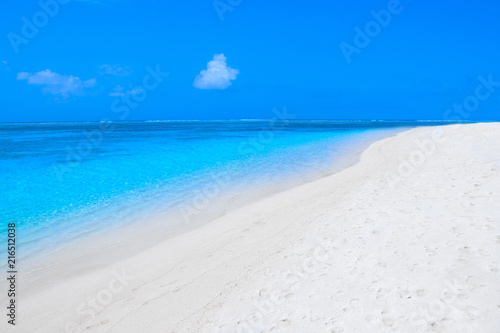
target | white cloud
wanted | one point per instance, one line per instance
(120, 91)
(218, 74)
(115, 70)
(57, 84)
(5, 63)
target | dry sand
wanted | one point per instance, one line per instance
(407, 240)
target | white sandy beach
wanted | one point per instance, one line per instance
(357, 251)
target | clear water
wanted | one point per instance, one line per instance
(59, 181)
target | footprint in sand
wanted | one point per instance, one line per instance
(421, 292)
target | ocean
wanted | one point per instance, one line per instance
(63, 182)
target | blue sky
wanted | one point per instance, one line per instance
(233, 59)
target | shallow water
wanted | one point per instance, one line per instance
(61, 181)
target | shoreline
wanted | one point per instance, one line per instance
(94, 250)
(345, 228)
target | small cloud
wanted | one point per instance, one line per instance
(135, 91)
(120, 91)
(115, 70)
(57, 84)
(218, 74)
(117, 91)
(22, 76)
(89, 83)
(5, 65)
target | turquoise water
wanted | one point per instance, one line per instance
(59, 181)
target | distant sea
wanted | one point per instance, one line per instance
(61, 182)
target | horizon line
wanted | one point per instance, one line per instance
(263, 119)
